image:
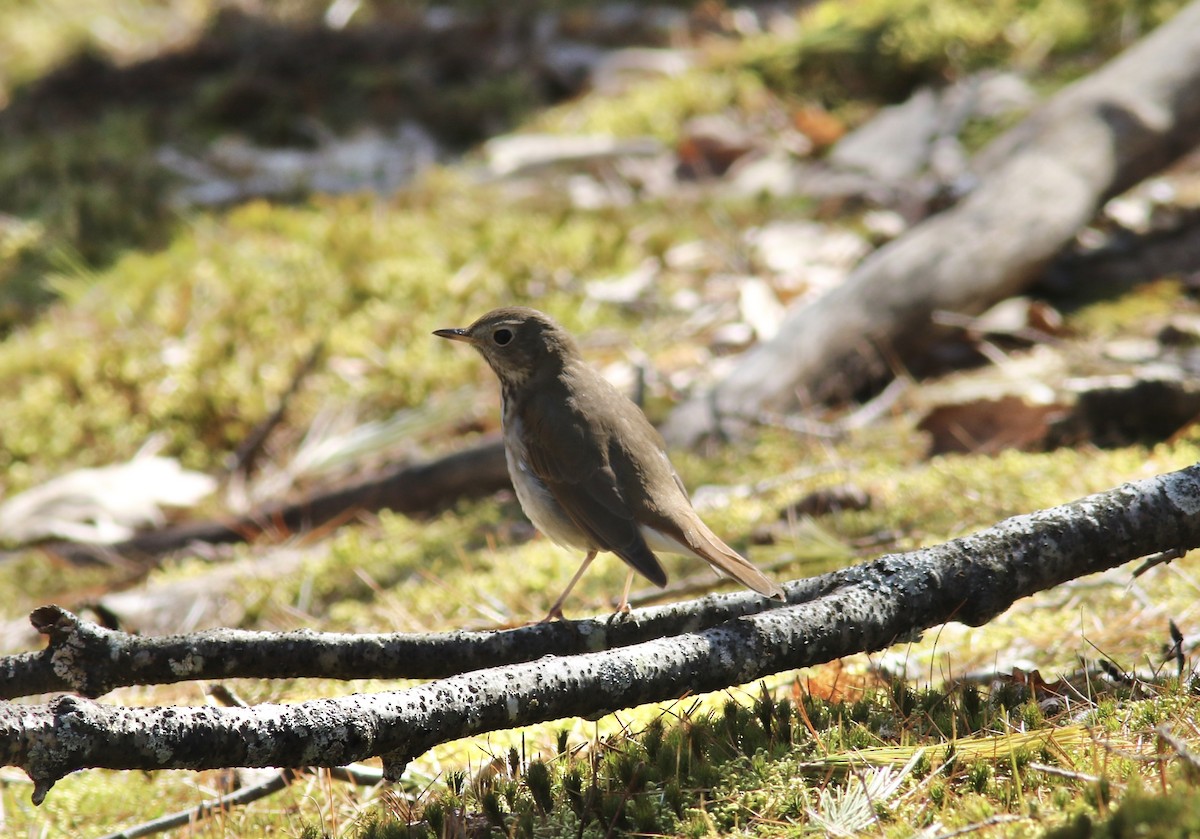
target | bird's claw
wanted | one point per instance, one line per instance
(621, 614)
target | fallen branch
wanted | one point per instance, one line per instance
(471, 473)
(354, 774)
(362, 776)
(247, 453)
(206, 809)
(89, 659)
(970, 580)
(1039, 184)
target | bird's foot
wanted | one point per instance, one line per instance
(621, 614)
(554, 614)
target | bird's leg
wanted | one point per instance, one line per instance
(623, 606)
(556, 609)
(622, 612)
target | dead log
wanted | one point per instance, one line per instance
(1038, 185)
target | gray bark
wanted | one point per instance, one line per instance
(969, 580)
(1039, 184)
(91, 660)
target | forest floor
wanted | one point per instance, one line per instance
(194, 201)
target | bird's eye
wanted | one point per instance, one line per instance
(502, 336)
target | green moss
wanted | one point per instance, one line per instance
(196, 341)
(724, 771)
(88, 191)
(884, 48)
(659, 107)
(32, 579)
(1103, 315)
(35, 37)
(1176, 814)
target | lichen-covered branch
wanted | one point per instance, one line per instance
(89, 659)
(971, 579)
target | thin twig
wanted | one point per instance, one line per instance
(1059, 772)
(999, 818)
(1177, 743)
(208, 808)
(1160, 558)
(243, 459)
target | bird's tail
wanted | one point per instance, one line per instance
(725, 560)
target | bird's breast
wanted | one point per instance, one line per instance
(535, 497)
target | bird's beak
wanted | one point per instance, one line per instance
(454, 334)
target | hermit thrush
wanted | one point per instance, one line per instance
(589, 469)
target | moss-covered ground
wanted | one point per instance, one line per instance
(124, 318)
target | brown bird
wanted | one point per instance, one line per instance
(589, 469)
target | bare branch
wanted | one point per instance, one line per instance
(247, 452)
(471, 473)
(91, 660)
(206, 809)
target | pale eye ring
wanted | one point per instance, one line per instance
(502, 336)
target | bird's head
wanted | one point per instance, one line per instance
(517, 343)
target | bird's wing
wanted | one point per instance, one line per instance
(584, 485)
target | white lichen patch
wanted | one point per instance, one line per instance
(191, 663)
(595, 637)
(1184, 494)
